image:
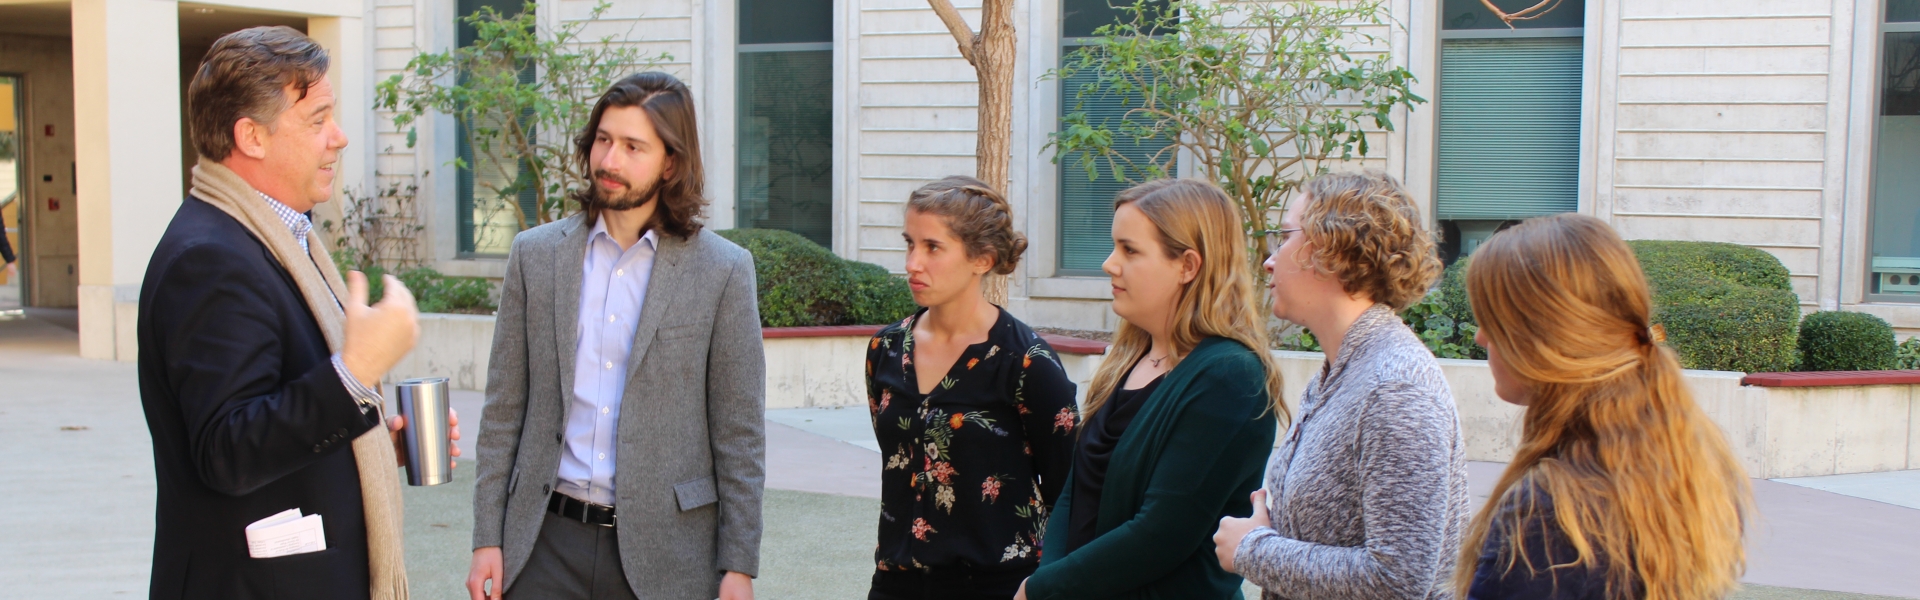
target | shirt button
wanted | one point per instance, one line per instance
(609, 364)
(610, 318)
(605, 410)
(619, 272)
(603, 456)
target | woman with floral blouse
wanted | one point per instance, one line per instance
(977, 447)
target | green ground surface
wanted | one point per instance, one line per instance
(817, 546)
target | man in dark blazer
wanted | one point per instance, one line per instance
(252, 412)
(622, 447)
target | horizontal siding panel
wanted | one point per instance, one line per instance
(393, 37)
(1726, 32)
(392, 60)
(574, 10)
(933, 42)
(1753, 232)
(945, 165)
(1805, 286)
(964, 118)
(1793, 88)
(893, 262)
(1721, 145)
(1704, 173)
(935, 143)
(918, 94)
(1692, 8)
(1804, 117)
(925, 19)
(916, 70)
(393, 16)
(1788, 59)
(875, 236)
(883, 215)
(402, 163)
(891, 189)
(1803, 203)
(646, 31)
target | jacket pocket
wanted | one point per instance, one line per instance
(695, 494)
(681, 331)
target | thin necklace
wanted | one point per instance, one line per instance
(1156, 361)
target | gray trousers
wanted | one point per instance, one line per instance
(572, 561)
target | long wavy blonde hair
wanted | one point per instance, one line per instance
(1637, 474)
(1220, 301)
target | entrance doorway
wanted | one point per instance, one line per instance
(12, 246)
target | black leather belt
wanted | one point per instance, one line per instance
(575, 509)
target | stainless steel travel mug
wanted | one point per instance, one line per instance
(423, 402)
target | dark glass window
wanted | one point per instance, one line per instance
(1509, 106)
(1896, 185)
(1079, 18)
(784, 129)
(1086, 206)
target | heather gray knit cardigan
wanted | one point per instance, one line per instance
(1368, 494)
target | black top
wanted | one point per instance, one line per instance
(1102, 432)
(1498, 578)
(6, 249)
(972, 469)
(248, 418)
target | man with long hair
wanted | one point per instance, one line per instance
(622, 443)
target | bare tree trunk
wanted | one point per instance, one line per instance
(992, 52)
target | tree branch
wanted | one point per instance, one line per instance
(962, 34)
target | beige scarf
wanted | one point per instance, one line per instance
(319, 282)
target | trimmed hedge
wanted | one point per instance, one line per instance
(436, 293)
(1846, 341)
(1724, 307)
(803, 285)
(1907, 354)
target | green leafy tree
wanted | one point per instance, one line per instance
(1260, 95)
(522, 93)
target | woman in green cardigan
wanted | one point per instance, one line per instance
(1181, 415)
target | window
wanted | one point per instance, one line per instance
(1086, 207)
(1509, 106)
(488, 222)
(784, 165)
(1896, 185)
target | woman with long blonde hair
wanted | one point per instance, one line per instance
(1621, 487)
(1180, 414)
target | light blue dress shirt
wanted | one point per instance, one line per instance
(613, 289)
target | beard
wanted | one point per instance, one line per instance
(633, 198)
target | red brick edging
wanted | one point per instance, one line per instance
(1832, 378)
(1064, 344)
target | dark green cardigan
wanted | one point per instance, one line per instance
(1192, 455)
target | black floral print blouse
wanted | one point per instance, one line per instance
(973, 468)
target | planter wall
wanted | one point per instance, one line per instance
(1775, 431)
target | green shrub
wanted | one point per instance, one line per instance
(1834, 340)
(436, 293)
(802, 284)
(1907, 354)
(1724, 307)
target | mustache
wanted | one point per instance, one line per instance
(632, 198)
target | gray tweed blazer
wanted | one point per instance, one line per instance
(692, 443)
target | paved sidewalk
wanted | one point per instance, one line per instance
(78, 512)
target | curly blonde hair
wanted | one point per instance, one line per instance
(1366, 231)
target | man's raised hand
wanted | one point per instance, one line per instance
(378, 336)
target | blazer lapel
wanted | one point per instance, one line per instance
(568, 261)
(668, 258)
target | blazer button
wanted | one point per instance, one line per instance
(546, 489)
(317, 447)
(341, 433)
(557, 438)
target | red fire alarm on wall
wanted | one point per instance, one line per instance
(53, 204)
(49, 130)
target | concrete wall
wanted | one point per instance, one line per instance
(1775, 432)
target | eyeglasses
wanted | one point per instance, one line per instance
(1275, 237)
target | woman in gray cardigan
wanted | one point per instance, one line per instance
(1367, 495)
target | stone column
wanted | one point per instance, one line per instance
(126, 67)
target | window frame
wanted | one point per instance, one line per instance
(1875, 91)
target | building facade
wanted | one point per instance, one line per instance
(1788, 125)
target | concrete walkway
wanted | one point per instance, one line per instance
(78, 512)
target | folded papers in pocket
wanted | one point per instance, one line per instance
(286, 533)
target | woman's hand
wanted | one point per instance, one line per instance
(1226, 540)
